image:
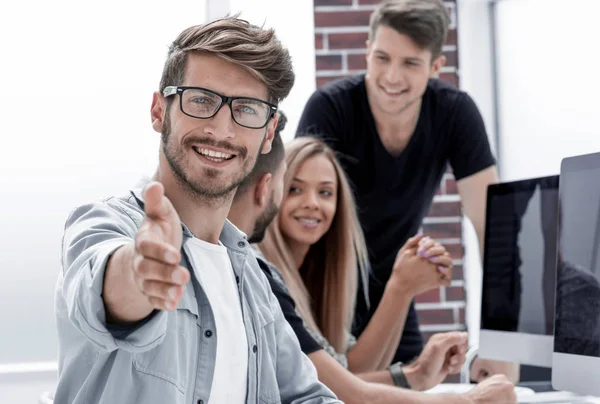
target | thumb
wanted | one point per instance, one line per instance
(412, 242)
(453, 339)
(156, 205)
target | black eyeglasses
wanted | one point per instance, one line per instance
(202, 103)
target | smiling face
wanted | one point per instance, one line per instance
(397, 71)
(309, 207)
(211, 157)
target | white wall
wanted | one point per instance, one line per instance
(476, 78)
(77, 83)
(548, 89)
(78, 79)
(25, 384)
(294, 26)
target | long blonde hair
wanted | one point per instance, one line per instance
(325, 287)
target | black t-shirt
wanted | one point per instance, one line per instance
(394, 193)
(288, 307)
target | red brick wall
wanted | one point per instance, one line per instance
(341, 29)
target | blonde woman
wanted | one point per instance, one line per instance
(317, 245)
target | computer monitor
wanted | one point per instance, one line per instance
(576, 357)
(519, 261)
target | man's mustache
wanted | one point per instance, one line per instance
(223, 145)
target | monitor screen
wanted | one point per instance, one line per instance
(578, 278)
(576, 358)
(519, 259)
(520, 256)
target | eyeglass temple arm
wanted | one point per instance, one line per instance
(170, 90)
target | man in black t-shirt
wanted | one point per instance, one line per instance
(396, 129)
(255, 205)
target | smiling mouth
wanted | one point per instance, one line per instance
(311, 222)
(212, 155)
(394, 93)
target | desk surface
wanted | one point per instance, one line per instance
(525, 395)
(557, 397)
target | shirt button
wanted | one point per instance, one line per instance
(241, 244)
(200, 401)
(208, 333)
(254, 348)
(237, 279)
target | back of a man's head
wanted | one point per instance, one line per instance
(266, 163)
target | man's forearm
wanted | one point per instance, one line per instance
(473, 195)
(382, 394)
(123, 301)
(352, 389)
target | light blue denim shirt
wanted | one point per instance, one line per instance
(170, 356)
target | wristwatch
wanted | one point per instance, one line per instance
(398, 375)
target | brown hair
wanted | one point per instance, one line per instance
(253, 48)
(325, 287)
(424, 21)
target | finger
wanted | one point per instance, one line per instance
(445, 272)
(453, 370)
(444, 281)
(413, 242)
(156, 250)
(435, 251)
(161, 304)
(455, 362)
(425, 244)
(410, 252)
(441, 260)
(452, 340)
(149, 269)
(156, 204)
(168, 292)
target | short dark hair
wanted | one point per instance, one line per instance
(424, 21)
(254, 48)
(266, 163)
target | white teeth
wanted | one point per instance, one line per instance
(212, 153)
(308, 221)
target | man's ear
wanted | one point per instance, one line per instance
(270, 134)
(437, 65)
(157, 111)
(261, 190)
(368, 48)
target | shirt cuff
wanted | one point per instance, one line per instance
(88, 314)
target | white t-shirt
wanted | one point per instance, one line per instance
(212, 266)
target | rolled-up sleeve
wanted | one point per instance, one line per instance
(93, 232)
(296, 375)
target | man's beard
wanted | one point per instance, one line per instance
(175, 156)
(263, 222)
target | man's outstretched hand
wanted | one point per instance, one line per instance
(156, 257)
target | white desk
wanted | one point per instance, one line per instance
(557, 397)
(524, 395)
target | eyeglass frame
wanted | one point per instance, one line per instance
(172, 90)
